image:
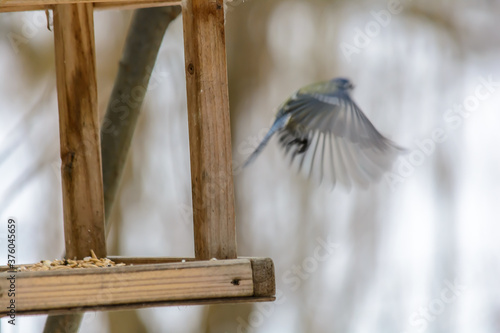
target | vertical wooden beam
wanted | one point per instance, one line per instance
(79, 130)
(209, 129)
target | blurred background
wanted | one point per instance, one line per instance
(417, 252)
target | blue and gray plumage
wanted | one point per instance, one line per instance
(327, 137)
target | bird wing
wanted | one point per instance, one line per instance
(278, 124)
(329, 138)
(337, 114)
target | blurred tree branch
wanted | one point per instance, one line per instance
(139, 55)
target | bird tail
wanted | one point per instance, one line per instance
(277, 125)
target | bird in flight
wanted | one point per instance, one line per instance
(326, 136)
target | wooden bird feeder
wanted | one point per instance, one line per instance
(149, 281)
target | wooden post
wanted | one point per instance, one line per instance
(83, 203)
(209, 129)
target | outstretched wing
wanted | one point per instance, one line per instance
(330, 139)
(278, 124)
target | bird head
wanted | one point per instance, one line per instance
(328, 87)
(342, 84)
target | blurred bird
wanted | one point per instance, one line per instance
(327, 137)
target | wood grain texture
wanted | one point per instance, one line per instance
(82, 189)
(147, 260)
(209, 129)
(264, 281)
(130, 306)
(132, 286)
(134, 4)
(26, 5)
(11, 8)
